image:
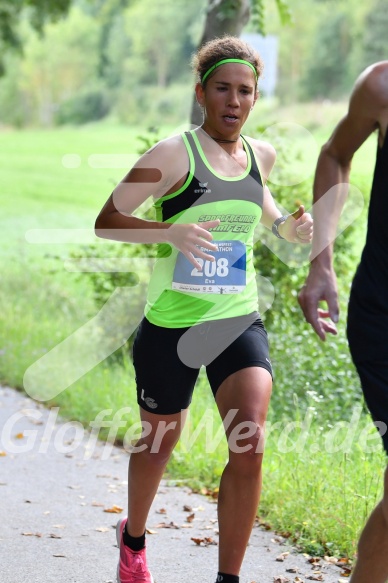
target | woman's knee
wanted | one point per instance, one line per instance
(159, 441)
(246, 446)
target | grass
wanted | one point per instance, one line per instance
(322, 498)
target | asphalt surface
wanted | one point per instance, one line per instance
(56, 486)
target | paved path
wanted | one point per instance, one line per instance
(55, 488)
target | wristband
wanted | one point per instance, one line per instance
(276, 223)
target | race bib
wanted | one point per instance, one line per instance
(225, 275)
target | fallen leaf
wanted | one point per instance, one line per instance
(315, 578)
(60, 556)
(35, 421)
(210, 541)
(149, 531)
(282, 556)
(212, 493)
(332, 560)
(103, 529)
(161, 511)
(281, 579)
(169, 525)
(37, 534)
(52, 535)
(187, 508)
(114, 510)
(292, 570)
(205, 541)
(190, 518)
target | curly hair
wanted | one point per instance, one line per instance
(226, 47)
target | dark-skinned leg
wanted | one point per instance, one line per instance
(248, 391)
(372, 563)
(147, 464)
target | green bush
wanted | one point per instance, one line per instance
(155, 106)
(83, 108)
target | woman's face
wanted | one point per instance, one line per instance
(228, 98)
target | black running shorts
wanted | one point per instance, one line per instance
(367, 331)
(167, 360)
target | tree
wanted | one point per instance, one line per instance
(375, 35)
(230, 17)
(327, 72)
(40, 11)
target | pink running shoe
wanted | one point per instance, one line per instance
(132, 567)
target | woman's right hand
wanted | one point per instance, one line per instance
(188, 238)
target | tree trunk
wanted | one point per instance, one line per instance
(223, 17)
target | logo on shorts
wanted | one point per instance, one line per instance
(220, 578)
(148, 401)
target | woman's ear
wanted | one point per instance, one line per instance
(257, 95)
(200, 94)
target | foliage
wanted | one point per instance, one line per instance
(258, 14)
(39, 12)
(327, 69)
(83, 107)
(303, 366)
(138, 54)
(54, 67)
(160, 40)
(151, 104)
(374, 41)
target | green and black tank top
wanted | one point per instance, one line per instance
(180, 295)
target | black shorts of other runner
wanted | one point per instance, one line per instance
(367, 331)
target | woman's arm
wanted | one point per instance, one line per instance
(160, 171)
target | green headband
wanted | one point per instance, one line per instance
(229, 61)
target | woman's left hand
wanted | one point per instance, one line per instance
(298, 228)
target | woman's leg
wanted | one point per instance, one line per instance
(147, 463)
(247, 392)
